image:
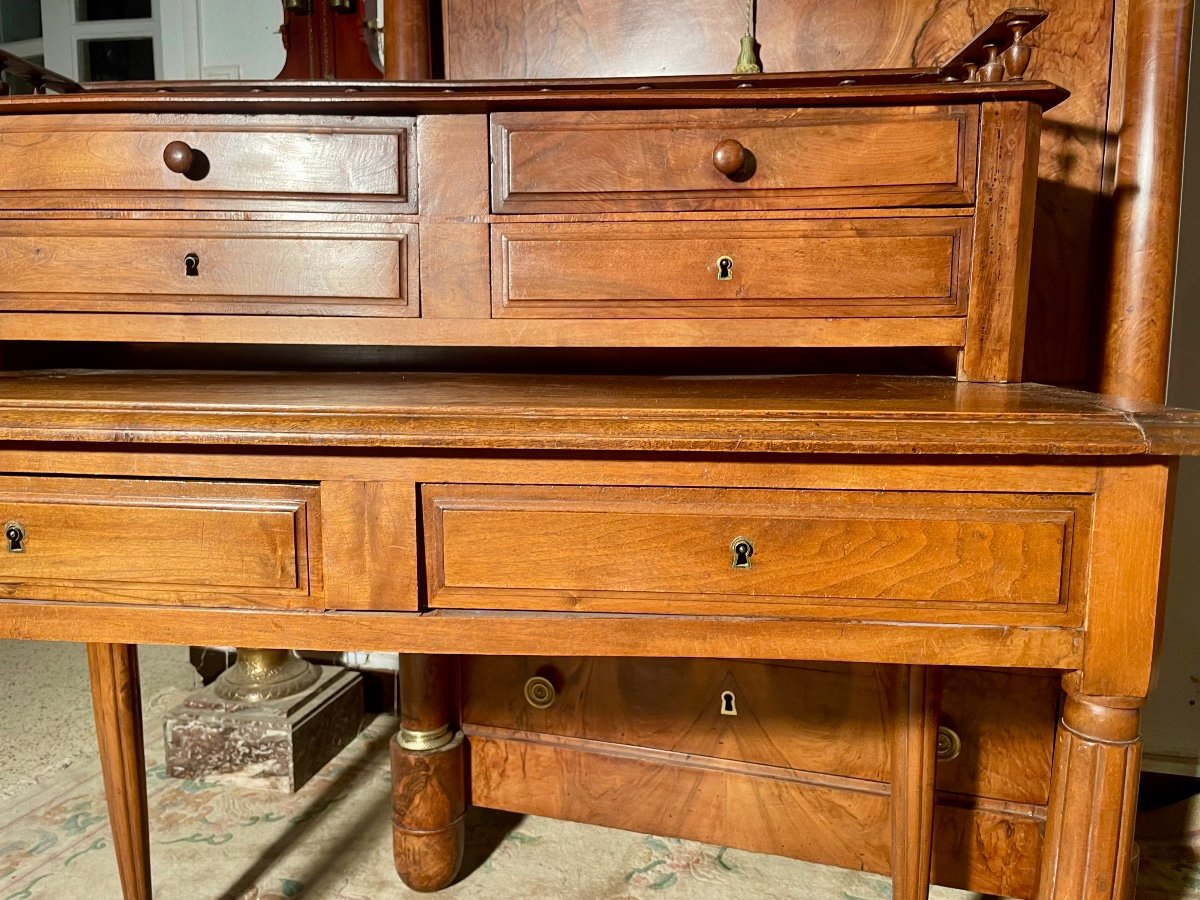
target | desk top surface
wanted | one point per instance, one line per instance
(718, 414)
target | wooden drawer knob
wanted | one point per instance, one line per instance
(179, 157)
(540, 692)
(730, 158)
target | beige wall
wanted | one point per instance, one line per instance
(1172, 725)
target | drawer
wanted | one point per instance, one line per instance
(101, 539)
(573, 162)
(207, 268)
(830, 719)
(84, 161)
(962, 556)
(908, 267)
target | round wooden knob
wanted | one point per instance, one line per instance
(729, 157)
(179, 157)
(540, 692)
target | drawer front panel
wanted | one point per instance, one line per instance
(675, 550)
(859, 267)
(564, 162)
(832, 719)
(241, 272)
(244, 160)
(99, 539)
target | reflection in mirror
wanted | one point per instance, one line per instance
(105, 10)
(117, 59)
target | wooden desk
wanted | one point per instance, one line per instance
(914, 522)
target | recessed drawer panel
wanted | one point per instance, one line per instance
(212, 270)
(859, 267)
(183, 542)
(739, 551)
(673, 160)
(80, 156)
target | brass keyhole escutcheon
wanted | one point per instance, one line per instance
(725, 268)
(191, 265)
(540, 692)
(742, 550)
(728, 704)
(949, 744)
(14, 533)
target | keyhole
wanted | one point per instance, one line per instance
(742, 550)
(14, 533)
(725, 268)
(728, 704)
(191, 265)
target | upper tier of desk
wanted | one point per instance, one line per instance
(792, 414)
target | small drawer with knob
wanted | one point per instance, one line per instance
(970, 557)
(912, 265)
(220, 161)
(733, 159)
(161, 542)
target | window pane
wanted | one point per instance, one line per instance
(117, 59)
(102, 10)
(20, 20)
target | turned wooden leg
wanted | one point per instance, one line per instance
(117, 701)
(428, 776)
(914, 769)
(1089, 852)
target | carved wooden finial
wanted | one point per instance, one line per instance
(998, 52)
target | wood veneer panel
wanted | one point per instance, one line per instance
(652, 549)
(798, 158)
(817, 268)
(104, 539)
(78, 156)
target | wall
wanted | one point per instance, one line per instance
(1172, 725)
(221, 39)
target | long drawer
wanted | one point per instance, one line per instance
(103, 539)
(202, 267)
(85, 162)
(674, 160)
(915, 266)
(986, 556)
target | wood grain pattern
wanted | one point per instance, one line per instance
(163, 542)
(802, 158)
(128, 155)
(782, 813)
(661, 549)
(867, 267)
(117, 704)
(369, 532)
(914, 771)
(1002, 243)
(798, 414)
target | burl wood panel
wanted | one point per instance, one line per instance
(655, 550)
(857, 267)
(84, 154)
(825, 718)
(108, 539)
(805, 716)
(987, 850)
(551, 38)
(566, 162)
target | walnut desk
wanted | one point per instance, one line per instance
(915, 522)
(889, 526)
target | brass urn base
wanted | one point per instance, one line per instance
(265, 675)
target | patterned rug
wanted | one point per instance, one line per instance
(331, 841)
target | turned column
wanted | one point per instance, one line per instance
(428, 776)
(117, 702)
(1088, 853)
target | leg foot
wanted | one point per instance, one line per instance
(428, 776)
(117, 702)
(1089, 852)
